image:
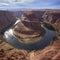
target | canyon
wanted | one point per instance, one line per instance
(51, 52)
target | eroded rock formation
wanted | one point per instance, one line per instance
(29, 27)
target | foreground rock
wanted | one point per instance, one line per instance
(48, 53)
(16, 55)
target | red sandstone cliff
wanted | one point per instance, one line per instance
(52, 17)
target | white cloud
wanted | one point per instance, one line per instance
(25, 1)
(14, 2)
(11, 1)
(3, 4)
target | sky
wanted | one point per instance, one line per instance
(30, 4)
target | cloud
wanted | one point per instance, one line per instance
(3, 4)
(30, 3)
(25, 1)
(14, 2)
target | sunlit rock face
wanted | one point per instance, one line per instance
(29, 28)
(6, 19)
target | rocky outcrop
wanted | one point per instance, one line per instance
(16, 55)
(49, 53)
(52, 17)
(29, 27)
(29, 24)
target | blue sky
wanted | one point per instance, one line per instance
(32, 4)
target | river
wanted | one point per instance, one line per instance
(49, 35)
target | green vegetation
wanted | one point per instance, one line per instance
(49, 26)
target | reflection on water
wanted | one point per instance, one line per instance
(39, 45)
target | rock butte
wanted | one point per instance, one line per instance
(29, 28)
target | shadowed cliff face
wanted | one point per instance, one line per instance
(6, 19)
